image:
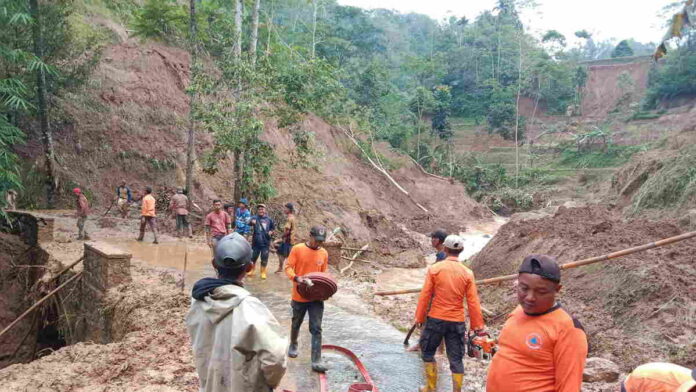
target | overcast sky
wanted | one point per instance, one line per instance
(639, 19)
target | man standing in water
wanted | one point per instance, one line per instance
(237, 343)
(123, 193)
(242, 216)
(263, 229)
(178, 205)
(148, 215)
(447, 285)
(542, 348)
(288, 239)
(217, 224)
(304, 259)
(82, 210)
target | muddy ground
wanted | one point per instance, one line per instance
(151, 349)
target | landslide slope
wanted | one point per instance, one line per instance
(129, 122)
(635, 309)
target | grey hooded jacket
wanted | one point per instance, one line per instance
(237, 344)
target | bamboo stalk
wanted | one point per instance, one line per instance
(39, 302)
(573, 264)
(64, 270)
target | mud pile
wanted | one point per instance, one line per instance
(151, 351)
(636, 309)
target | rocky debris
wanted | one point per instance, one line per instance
(600, 370)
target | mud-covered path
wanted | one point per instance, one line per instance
(346, 323)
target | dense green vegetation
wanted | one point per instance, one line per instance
(394, 77)
(677, 76)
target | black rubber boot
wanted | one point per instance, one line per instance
(292, 350)
(317, 366)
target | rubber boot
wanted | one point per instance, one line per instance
(252, 272)
(457, 380)
(292, 350)
(430, 377)
(263, 273)
(317, 366)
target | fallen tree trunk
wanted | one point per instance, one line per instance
(573, 264)
(420, 167)
(384, 171)
(355, 256)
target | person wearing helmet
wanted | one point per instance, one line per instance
(82, 210)
(448, 284)
(304, 259)
(660, 377)
(236, 341)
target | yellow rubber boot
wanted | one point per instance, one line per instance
(252, 272)
(430, 377)
(263, 273)
(457, 380)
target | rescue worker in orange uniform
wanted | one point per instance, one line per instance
(541, 347)
(448, 284)
(304, 259)
(660, 377)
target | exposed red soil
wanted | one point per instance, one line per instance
(602, 91)
(153, 352)
(637, 309)
(133, 127)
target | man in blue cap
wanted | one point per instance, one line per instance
(242, 216)
(237, 343)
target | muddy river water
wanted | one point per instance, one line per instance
(348, 322)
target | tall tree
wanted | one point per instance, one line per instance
(315, 6)
(46, 135)
(238, 29)
(254, 31)
(190, 150)
(623, 49)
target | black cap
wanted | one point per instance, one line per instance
(440, 234)
(232, 251)
(290, 206)
(318, 232)
(542, 265)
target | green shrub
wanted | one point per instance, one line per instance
(163, 19)
(676, 77)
